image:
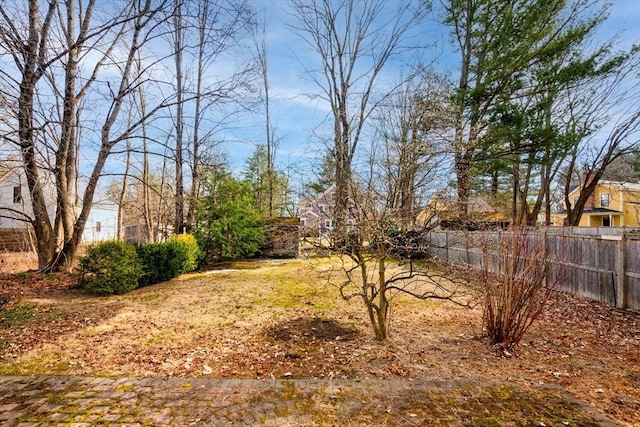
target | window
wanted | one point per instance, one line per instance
(329, 224)
(606, 221)
(604, 200)
(98, 226)
(303, 222)
(322, 208)
(17, 194)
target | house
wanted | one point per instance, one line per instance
(316, 214)
(442, 210)
(16, 233)
(612, 204)
(102, 223)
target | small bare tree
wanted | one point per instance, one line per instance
(378, 264)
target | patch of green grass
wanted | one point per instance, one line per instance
(290, 293)
(27, 314)
(45, 365)
(123, 388)
(18, 315)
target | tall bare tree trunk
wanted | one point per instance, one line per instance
(347, 34)
(178, 47)
(263, 64)
(66, 257)
(197, 118)
(32, 68)
(123, 193)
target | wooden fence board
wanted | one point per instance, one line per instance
(16, 240)
(632, 270)
(604, 267)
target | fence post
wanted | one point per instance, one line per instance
(621, 273)
(545, 255)
(466, 248)
(446, 245)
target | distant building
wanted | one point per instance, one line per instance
(442, 211)
(316, 214)
(16, 211)
(612, 204)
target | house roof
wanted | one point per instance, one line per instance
(309, 213)
(444, 207)
(593, 211)
(625, 186)
(630, 186)
(450, 203)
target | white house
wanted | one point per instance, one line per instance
(16, 210)
(102, 223)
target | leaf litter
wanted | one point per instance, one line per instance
(235, 326)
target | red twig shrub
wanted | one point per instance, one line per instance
(516, 288)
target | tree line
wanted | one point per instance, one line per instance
(133, 96)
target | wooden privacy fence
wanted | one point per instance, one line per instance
(601, 264)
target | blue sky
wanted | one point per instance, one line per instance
(299, 118)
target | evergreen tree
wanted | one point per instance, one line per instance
(268, 185)
(324, 174)
(518, 60)
(256, 174)
(227, 226)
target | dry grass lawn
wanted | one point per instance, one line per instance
(280, 319)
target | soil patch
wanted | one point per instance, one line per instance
(309, 329)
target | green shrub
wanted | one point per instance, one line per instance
(161, 261)
(194, 253)
(110, 268)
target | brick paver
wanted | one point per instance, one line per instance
(81, 401)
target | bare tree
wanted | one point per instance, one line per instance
(146, 175)
(413, 127)
(36, 54)
(377, 265)
(141, 33)
(622, 139)
(178, 48)
(216, 30)
(123, 192)
(354, 41)
(261, 52)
